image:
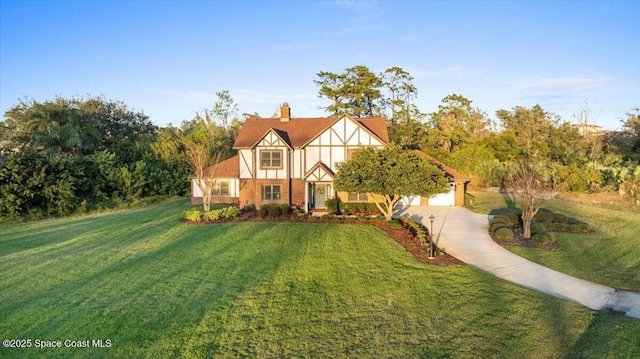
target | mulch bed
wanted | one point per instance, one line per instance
(403, 236)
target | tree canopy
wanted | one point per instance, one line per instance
(388, 174)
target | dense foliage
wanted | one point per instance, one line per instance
(388, 174)
(67, 156)
(572, 156)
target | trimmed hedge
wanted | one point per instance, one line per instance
(504, 233)
(418, 230)
(275, 210)
(543, 217)
(497, 225)
(357, 208)
(543, 238)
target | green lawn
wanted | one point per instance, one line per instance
(610, 255)
(156, 287)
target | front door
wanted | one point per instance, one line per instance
(321, 194)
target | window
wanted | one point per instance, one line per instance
(358, 197)
(271, 192)
(271, 159)
(220, 188)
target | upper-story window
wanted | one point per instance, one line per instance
(271, 159)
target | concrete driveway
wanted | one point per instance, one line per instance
(464, 235)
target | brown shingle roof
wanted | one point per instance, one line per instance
(452, 174)
(299, 131)
(226, 169)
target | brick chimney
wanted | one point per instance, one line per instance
(285, 112)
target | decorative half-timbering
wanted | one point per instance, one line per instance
(293, 161)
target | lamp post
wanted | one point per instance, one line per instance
(431, 219)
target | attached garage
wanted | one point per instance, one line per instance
(444, 199)
(457, 188)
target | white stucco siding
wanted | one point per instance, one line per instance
(246, 163)
(234, 187)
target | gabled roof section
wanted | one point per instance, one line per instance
(452, 174)
(299, 131)
(320, 172)
(226, 169)
(366, 123)
(284, 137)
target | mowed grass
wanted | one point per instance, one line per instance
(610, 255)
(156, 287)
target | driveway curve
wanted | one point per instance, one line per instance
(464, 235)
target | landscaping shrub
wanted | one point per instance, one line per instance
(514, 219)
(498, 220)
(416, 229)
(274, 211)
(566, 227)
(229, 212)
(249, 208)
(395, 224)
(536, 228)
(211, 215)
(332, 205)
(325, 217)
(497, 225)
(543, 238)
(359, 208)
(297, 212)
(193, 215)
(559, 218)
(504, 233)
(543, 217)
(285, 209)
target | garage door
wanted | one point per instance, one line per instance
(444, 199)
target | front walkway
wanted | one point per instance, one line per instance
(464, 235)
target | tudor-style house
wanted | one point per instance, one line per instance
(293, 161)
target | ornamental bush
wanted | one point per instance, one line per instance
(211, 215)
(332, 205)
(497, 225)
(559, 218)
(504, 233)
(514, 219)
(543, 217)
(543, 238)
(495, 220)
(193, 215)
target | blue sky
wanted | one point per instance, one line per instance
(168, 58)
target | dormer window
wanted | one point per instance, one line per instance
(271, 159)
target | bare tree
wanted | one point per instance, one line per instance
(202, 158)
(527, 181)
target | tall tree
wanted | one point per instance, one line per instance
(402, 92)
(225, 109)
(355, 92)
(532, 128)
(388, 174)
(457, 123)
(406, 126)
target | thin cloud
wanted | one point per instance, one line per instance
(560, 84)
(457, 71)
